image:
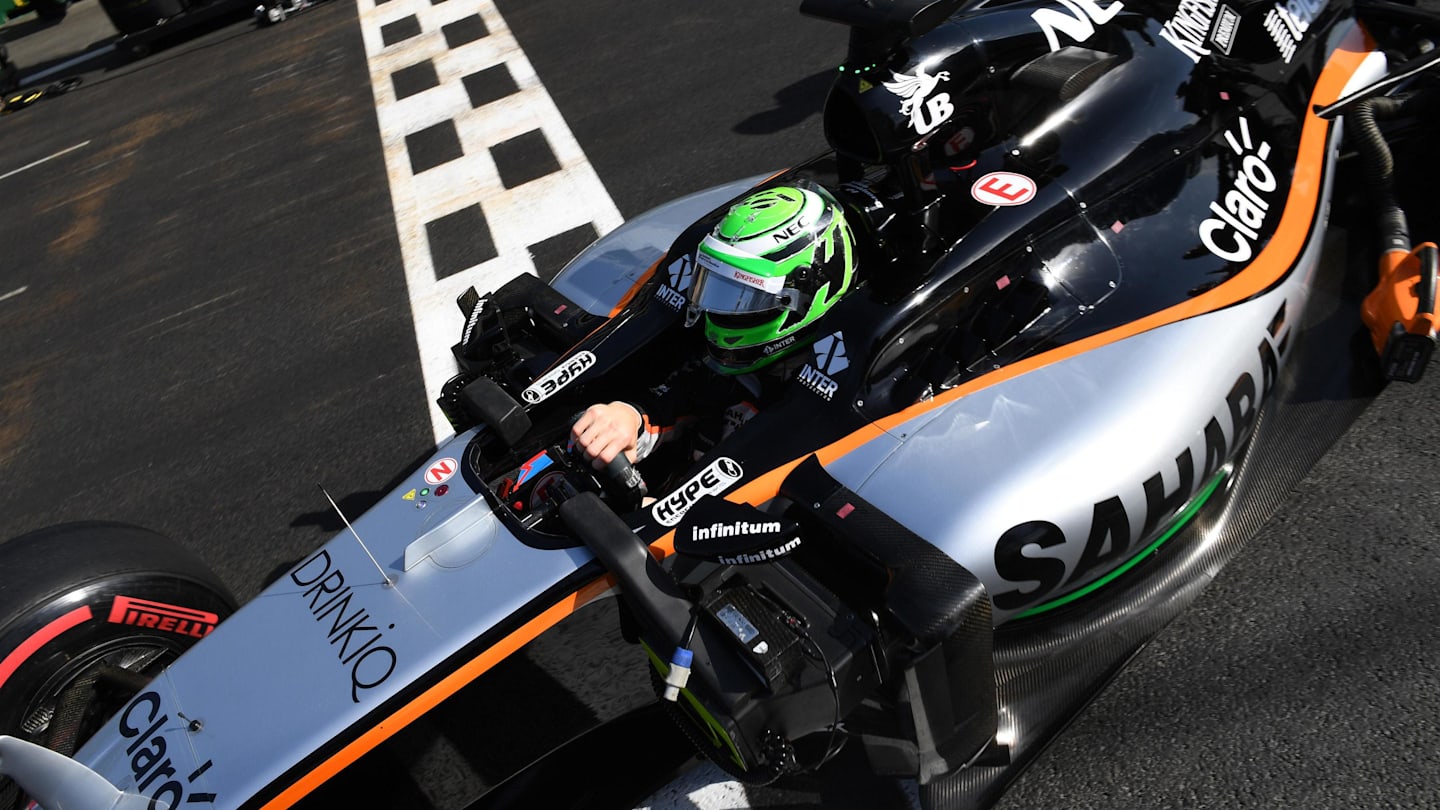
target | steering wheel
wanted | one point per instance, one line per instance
(622, 473)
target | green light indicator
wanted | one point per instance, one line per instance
(424, 492)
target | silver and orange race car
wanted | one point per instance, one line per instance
(1097, 285)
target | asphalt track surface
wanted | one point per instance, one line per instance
(203, 316)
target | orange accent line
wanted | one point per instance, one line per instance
(1276, 258)
(433, 696)
(635, 288)
(1273, 262)
(1270, 266)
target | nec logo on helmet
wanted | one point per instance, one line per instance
(785, 234)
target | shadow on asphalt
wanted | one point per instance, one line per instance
(121, 52)
(14, 32)
(793, 104)
(102, 57)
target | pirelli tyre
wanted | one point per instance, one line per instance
(89, 613)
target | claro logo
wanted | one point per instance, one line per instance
(154, 772)
(1239, 214)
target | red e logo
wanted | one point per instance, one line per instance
(1003, 188)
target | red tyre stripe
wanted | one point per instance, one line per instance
(40, 638)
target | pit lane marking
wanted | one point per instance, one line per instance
(42, 160)
(451, 42)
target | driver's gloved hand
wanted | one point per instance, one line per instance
(605, 430)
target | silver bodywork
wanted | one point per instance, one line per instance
(332, 640)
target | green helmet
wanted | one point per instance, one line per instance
(777, 262)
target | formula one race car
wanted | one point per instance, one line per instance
(1099, 268)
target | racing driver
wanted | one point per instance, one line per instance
(765, 276)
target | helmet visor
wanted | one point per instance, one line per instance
(724, 289)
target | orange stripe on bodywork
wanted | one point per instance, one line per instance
(635, 288)
(1274, 261)
(1269, 267)
(436, 694)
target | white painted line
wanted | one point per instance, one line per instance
(517, 218)
(14, 293)
(42, 160)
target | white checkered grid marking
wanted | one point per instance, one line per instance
(518, 217)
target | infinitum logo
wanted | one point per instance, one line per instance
(760, 556)
(830, 360)
(734, 528)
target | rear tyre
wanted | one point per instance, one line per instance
(89, 613)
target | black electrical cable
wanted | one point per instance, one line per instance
(831, 746)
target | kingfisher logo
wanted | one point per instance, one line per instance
(712, 480)
(681, 272)
(1188, 28)
(830, 360)
(181, 621)
(749, 280)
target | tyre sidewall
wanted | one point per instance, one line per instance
(73, 593)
